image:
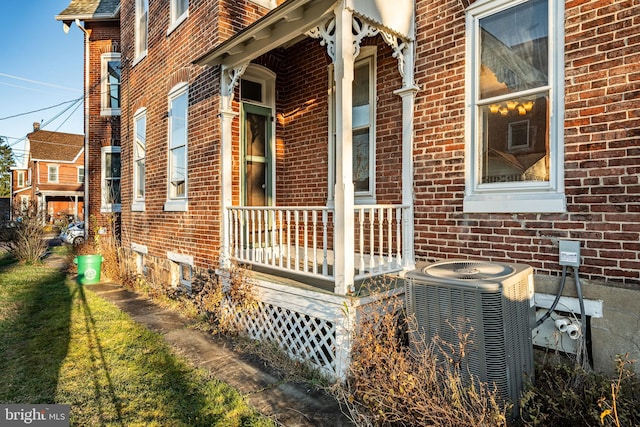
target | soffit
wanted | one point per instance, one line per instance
(277, 28)
(288, 22)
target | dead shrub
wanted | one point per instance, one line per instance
(24, 238)
(222, 296)
(567, 394)
(392, 384)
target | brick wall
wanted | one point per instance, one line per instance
(103, 130)
(602, 158)
(301, 125)
(148, 82)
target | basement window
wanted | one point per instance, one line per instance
(181, 270)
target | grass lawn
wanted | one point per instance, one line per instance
(60, 343)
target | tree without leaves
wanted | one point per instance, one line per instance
(6, 161)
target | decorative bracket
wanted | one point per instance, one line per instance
(361, 29)
(327, 34)
(231, 79)
(398, 46)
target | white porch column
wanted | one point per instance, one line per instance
(344, 245)
(407, 93)
(229, 78)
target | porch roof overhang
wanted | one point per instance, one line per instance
(288, 22)
(279, 27)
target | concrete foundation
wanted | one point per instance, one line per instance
(617, 332)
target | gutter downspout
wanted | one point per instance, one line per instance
(86, 126)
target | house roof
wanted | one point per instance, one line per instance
(88, 10)
(45, 145)
(293, 18)
(284, 23)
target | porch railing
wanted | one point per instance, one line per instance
(301, 239)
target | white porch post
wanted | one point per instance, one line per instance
(229, 78)
(343, 240)
(407, 93)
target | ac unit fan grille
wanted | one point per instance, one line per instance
(468, 270)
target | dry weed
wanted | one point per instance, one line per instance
(392, 384)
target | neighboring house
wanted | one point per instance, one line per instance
(51, 174)
(327, 142)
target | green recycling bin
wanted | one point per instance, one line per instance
(88, 268)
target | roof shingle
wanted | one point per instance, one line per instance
(55, 146)
(90, 9)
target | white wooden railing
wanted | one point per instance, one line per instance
(301, 239)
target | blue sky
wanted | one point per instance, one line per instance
(40, 66)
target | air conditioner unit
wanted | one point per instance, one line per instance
(492, 301)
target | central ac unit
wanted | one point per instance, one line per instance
(492, 301)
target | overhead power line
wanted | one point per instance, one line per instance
(39, 82)
(41, 109)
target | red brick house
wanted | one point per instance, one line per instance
(51, 174)
(325, 143)
(99, 23)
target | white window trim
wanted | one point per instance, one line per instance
(178, 204)
(140, 54)
(21, 178)
(180, 261)
(105, 58)
(104, 206)
(360, 198)
(81, 168)
(174, 20)
(138, 204)
(57, 169)
(269, 4)
(140, 252)
(524, 197)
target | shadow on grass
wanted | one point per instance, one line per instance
(141, 382)
(35, 311)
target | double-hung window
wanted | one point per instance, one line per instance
(52, 173)
(139, 155)
(514, 96)
(178, 131)
(141, 30)
(110, 84)
(80, 174)
(110, 179)
(363, 113)
(179, 12)
(21, 178)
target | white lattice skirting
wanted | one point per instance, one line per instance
(311, 326)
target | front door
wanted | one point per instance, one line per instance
(256, 156)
